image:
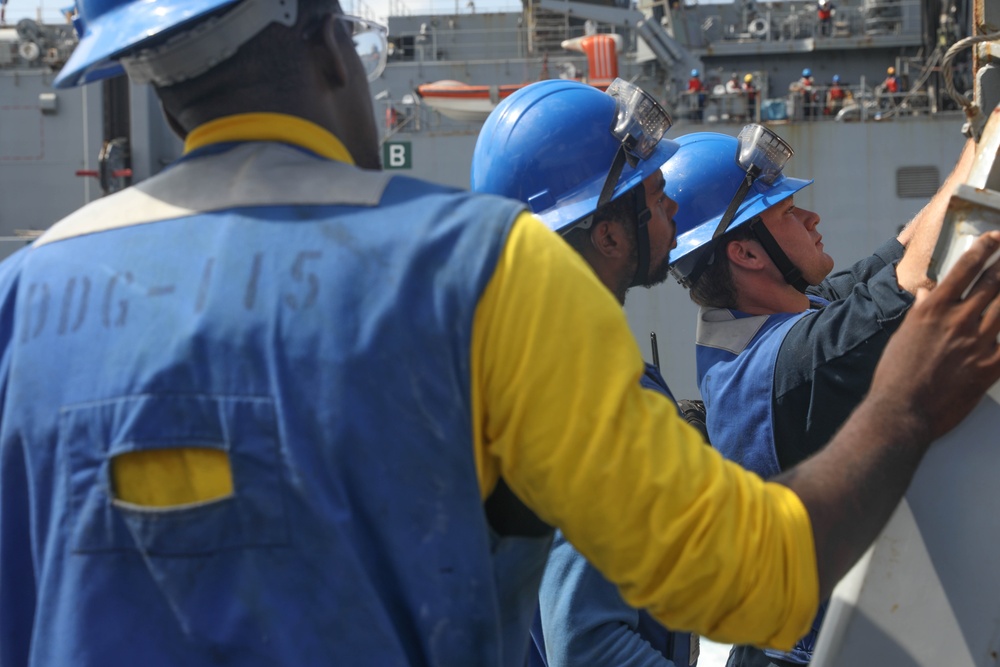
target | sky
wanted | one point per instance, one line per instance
(19, 9)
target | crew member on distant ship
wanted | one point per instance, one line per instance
(696, 95)
(785, 351)
(751, 92)
(835, 95)
(694, 83)
(733, 84)
(391, 117)
(824, 14)
(891, 82)
(887, 93)
(806, 94)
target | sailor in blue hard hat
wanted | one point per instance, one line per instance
(785, 351)
(550, 145)
(704, 179)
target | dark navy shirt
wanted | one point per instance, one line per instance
(827, 359)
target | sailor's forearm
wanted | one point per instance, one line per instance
(920, 235)
(933, 372)
(851, 487)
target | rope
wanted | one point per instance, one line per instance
(949, 82)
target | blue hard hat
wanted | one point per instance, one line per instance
(702, 177)
(694, 72)
(550, 145)
(114, 27)
(836, 78)
(807, 72)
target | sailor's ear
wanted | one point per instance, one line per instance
(334, 59)
(609, 238)
(745, 253)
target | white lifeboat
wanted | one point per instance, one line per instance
(462, 101)
(471, 102)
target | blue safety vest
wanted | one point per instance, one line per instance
(257, 299)
(736, 357)
(679, 647)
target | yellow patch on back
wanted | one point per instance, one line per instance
(171, 477)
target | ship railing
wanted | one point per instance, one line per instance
(715, 107)
(855, 103)
(448, 7)
(432, 43)
(801, 20)
(400, 116)
(818, 104)
(539, 31)
(436, 41)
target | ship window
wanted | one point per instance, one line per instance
(917, 182)
(404, 48)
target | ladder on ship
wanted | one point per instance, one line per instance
(546, 29)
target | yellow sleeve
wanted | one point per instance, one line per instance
(560, 415)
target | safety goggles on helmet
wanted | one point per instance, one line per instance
(640, 122)
(371, 42)
(761, 154)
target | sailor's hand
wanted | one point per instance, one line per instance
(921, 234)
(945, 355)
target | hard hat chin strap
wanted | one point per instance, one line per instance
(790, 272)
(193, 52)
(611, 180)
(642, 213)
(642, 216)
(707, 255)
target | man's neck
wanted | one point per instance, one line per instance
(619, 290)
(611, 275)
(766, 297)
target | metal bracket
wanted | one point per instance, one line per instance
(974, 207)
